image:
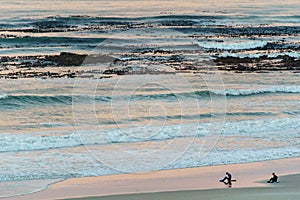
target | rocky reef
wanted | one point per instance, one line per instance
(69, 65)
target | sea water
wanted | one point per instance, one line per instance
(55, 129)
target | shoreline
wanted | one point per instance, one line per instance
(289, 189)
(248, 175)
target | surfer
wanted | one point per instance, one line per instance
(273, 179)
(227, 179)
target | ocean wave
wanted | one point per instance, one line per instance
(14, 143)
(241, 31)
(3, 96)
(66, 22)
(257, 55)
(73, 22)
(85, 18)
(33, 142)
(69, 139)
(233, 45)
(39, 100)
(226, 92)
(21, 100)
(40, 41)
(266, 90)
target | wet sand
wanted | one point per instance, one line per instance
(191, 183)
(288, 188)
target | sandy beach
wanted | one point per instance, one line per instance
(287, 189)
(192, 183)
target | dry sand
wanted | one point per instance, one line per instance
(193, 183)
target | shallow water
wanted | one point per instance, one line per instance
(37, 122)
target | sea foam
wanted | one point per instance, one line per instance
(233, 45)
(65, 139)
(263, 90)
(3, 96)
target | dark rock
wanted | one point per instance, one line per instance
(67, 59)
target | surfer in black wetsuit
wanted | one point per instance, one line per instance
(227, 179)
(273, 179)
